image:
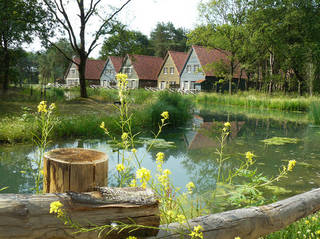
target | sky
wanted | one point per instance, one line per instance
(143, 16)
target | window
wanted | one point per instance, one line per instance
(196, 68)
(188, 69)
(165, 70)
(172, 83)
(73, 71)
(192, 85)
(127, 70)
(171, 70)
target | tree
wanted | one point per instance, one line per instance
(64, 11)
(225, 19)
(123, 41)
(166, 37)
(19, 21)
(53, 64)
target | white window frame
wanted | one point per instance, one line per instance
(189, 68)
(171, 70)
(196, 68)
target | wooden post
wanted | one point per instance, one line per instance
(74, 169)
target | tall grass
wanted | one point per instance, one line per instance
(314, 112)
(260, 101)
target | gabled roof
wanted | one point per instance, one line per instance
(179, 58)
(208, 56)
(116, 62)
(147, 67)
(93, 68)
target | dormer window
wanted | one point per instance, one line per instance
(165, 70)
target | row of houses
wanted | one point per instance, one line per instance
(186, 71)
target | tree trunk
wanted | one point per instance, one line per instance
(27, 216)
(82, 77)
(6, 68)
(74, 169)
(251, 223)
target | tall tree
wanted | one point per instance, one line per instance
(123, 41)
(52, 63)
(19, 20)
(166, 37)
(226, 18)
(84, 12)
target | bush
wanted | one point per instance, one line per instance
(178, 106)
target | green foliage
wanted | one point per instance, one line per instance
(308, 227)
(260, 101)
(314, 112)
(280, 141)
(177, 105)
(123, 41)
(166, 37)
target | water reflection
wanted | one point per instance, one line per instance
(194, 158)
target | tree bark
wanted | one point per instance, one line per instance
(6, 68)
(27, 216)
(251, 223)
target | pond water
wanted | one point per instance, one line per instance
(193, 158)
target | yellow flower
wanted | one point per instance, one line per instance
(131, 237)
(196, 233)
(166, 172)
(42, 107)
(307, 222)
(313, 218)
(55, 207)
(144, 175)
(120, 167)
(190, 186)
(52, 106)
(102, 126)
(121, 77)
(124, 136)
(318, 232)
(227, 124)
(133, 183)
(237, 238)
(133, 151)
(181, 218)
(160, 157)
(165, 115)
(291, 165)
(249, 156)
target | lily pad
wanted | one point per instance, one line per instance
(156, 143)
(280, 141)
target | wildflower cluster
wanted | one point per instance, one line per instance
(56, 207)
(144, 175)
(197, 232)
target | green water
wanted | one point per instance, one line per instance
(193, 158)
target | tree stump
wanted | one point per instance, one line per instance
(74, 169)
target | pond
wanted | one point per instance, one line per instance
(194, 154)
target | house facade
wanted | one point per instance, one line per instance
(169, 75)
(92, 74)
(141, 70)
(196, 75)
(111, 68)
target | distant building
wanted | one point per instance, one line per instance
(111, 68)
(169, 75)
(141, 70)
(92, 74)
(196, 75)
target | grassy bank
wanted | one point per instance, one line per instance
(258, 100)
(82, 117)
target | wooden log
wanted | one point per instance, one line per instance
(74, 169)
(250, 223)
(27, 216)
